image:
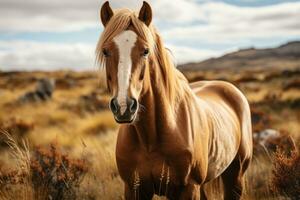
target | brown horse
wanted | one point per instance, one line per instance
(174, 137)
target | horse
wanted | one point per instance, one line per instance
(173, 136)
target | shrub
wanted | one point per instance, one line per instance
(286, 174)
(260, 120)
(47, 173)
(55, 173)
(293, 84)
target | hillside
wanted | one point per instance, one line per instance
(286, 56)
(71, 133)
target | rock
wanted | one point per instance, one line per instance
(263, 136)
(45, 87)
(43, 91)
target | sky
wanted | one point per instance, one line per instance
(62, 34)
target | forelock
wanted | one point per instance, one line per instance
(121, 21)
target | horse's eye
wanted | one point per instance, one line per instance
(146, 52)
(105, 52)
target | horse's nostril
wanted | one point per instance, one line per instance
(114, 107)
(133, 105)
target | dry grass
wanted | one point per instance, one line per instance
(78, 119)
(20, 174)
(46, 173)
(53, 172)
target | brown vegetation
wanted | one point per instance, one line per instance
(50, 174)
(18, 128)
(286, 174)
(77, 117)
(56, 174)
(260, 120)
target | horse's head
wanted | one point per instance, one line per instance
(124, 49)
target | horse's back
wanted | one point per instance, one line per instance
(220, 94)
(224, 91)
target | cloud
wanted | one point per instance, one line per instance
(211, 19)
(70, 15)
(194, 30)
(54, 15)
(224, 23)
(184, 54)
(29, 55)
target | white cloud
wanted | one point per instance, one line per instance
(185, 25)
(57, 15)
(54, 15)
(28, 55)
(184, 54)
(223, 23)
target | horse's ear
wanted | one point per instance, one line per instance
(106, 13)
(145, 14)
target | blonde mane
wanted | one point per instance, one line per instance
(121, 20)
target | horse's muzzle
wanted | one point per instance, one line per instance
(130, 113)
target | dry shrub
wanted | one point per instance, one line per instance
(295, 103)
(94, 101)
(283, 141)
(273, 96)
(46, 173)
(196, 77)
(260, 120)
(66, 83)
(271, 143)
(246, 78)
(286, 174)
(295, 83)
(90, 103)
(13, 80)
(282, 104)
(56, 174)
(290, 73)
(12, 177)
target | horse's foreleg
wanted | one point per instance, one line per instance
(190, 191)
(128, 193)
(138, 193)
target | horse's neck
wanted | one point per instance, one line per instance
(157, 116)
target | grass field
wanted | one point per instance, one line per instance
(77, 122)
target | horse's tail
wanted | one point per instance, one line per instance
(246, 145)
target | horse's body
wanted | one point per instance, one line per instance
(211, 136)
(186, 135)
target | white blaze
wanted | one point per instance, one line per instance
(125, 42)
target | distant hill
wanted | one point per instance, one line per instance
(284, 56)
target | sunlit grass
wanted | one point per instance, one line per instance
(93, 134)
